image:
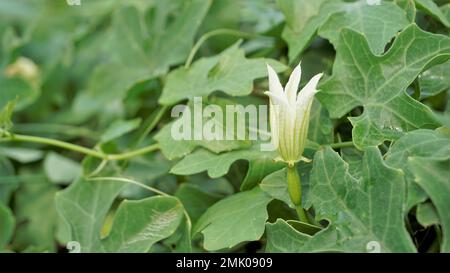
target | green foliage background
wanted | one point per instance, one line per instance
(104, 75)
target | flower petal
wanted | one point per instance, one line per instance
(301, 128)
(274, 83)
(277, 99)
(273, 118)
(280, 128)
(292, 85)
(307, 93)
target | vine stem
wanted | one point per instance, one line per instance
(77, 148)
(213, 33)
(129, 181)
(150, 124)
(295, 192)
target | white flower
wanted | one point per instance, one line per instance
(289, 113)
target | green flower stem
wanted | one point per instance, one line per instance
(295, 192)
(213, 33)
(69, 146)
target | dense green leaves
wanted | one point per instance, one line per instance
(144, 43)
(379, 23)
(378, 83)
(117, 135)
(359, 210)
(137, 224)
(214, 74)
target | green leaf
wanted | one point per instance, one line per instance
(409, 7)
(378, 23)
(283, 238)
(353, 157)
(426, 214)
(359, 211)
(428, 6)
(160, 41)
(275, 184)
(180, 241)
(229, 72)
(238, 218)
(175, 148)
(60, 169)
(320, 125)
(378, 83)
(83, 206)
(446, 11)
(433, 175)
(422, 143)
(119, 128)
(140, 224)
(195, 200)
(303, 19)
(171, 148)
(258, 169)
(7, 223)
(216, 165)
(22, 155)
(435, 80)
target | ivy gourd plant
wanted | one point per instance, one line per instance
(226, 125)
